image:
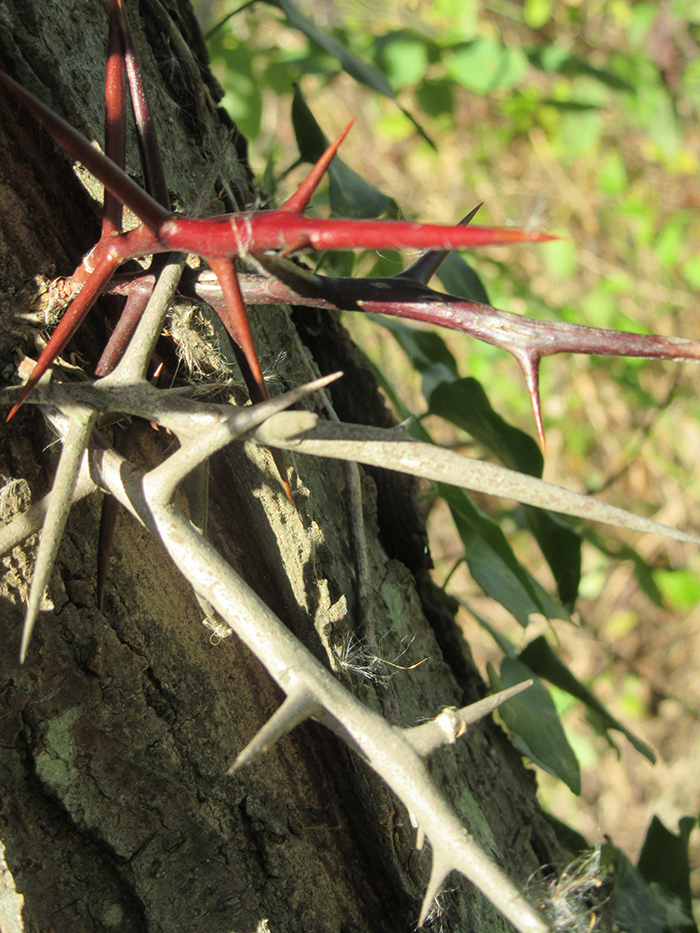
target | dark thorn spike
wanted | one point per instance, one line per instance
(105, 537)
(502, 329)
(425, 267)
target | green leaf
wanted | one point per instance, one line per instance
(537, 12)
(680, 587)
(361, 71)
(350, 195)
(311, 140)
(534, 724)
(555, 58)
(560, 546)
(387, 263)
(268, 181)
(406, 333)
(341, 263)
(404, 56)
(639, 907)
(491, 560)
(464, 403)
(243, 96)
(461, 280)
(486, 65)
(436, 97)
(541, 659)
(459, 18)
(572, 105)
(426, 350)
(664, 861)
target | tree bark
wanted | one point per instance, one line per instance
(116, 734)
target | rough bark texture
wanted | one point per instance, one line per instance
(115, 736)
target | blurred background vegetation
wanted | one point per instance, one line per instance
(579, 117)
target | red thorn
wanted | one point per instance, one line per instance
(281, 465)
(299, 243)
(236, 320)
(425, 267)
(70, 322)
(237, 324)
(302, 196)
(16, 407)
(529, 361)
(146, 136)
(137, 298)
(115, 117)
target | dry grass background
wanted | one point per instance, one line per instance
(627, 431)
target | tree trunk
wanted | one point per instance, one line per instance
(116, 734)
